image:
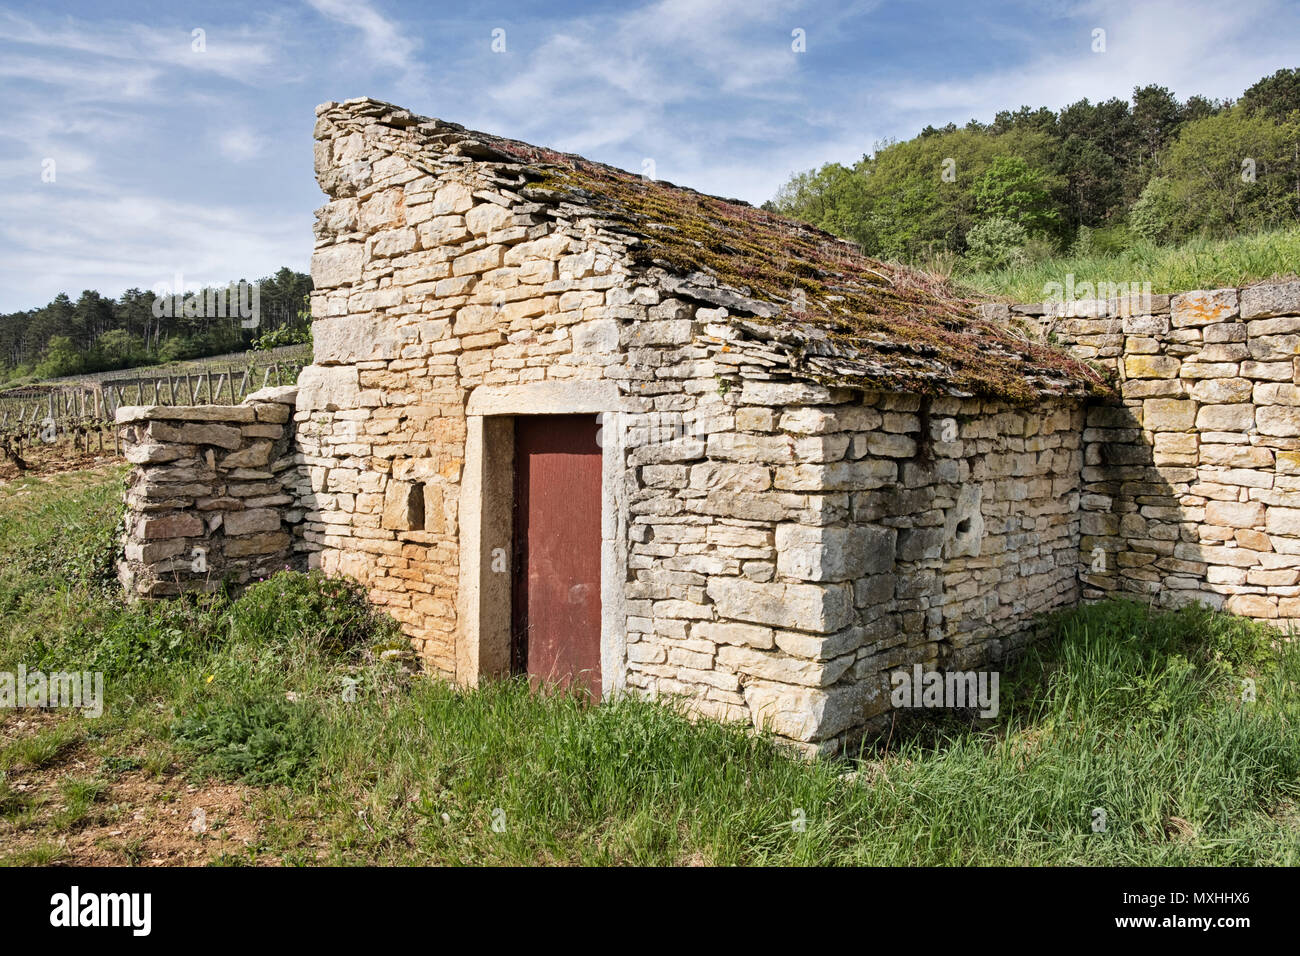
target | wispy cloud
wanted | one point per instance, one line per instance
(112, 241)
(384, 40)
(239, 143)
(176, 155)
(236, 54)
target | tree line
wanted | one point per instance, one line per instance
(97, 333)
(1092, 177)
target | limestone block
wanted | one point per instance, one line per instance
(488, 217)
(239, 414)
(348, 339)
(1203, 370)
(739, 446)
(751, 418)
(1268, 371)
(1283, 521)
(1235, 514)
(252, 520)
(1274, 348)
(1224, 332)
(1151, 366)
(722, 632)
(178, 525)
(255, 544)
(1236, 456)
(1271, 299)
(1226, 352)
(150, 454)
(1252, 605)
(1276, 393)
(1278, 420)
(337, 265)
(1168, 414)
(1239, 416)
(791, 393)
(196, 433)
(452, 199)
(920, 544)
(837, 476)
(153, 551)
(766, 665)
(964, 524)
(335, 218)
(1203, 307)
(1288, 462)
(275, 394)
(833, 554)
(1156, 325)
(1218, 391)
(808, 714)
(734, 477)
(821, 608)
(479, 261)
(643, 334)
(821, 647)
(254, 454)
(326, 388)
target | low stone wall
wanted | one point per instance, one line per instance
(1191, 481)
(208, 501)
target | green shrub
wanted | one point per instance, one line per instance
(994, 243)
(327, 615)
(258, 738)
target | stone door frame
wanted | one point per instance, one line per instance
(485, 522)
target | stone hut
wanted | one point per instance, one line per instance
(567, 421)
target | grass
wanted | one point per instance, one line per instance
(1120, 709)
(1197, 264)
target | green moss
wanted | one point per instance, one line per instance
(876, 309)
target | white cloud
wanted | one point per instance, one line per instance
(71, 239)
(236, 54)
(239, 144)
(1188, 46)
(385, 40)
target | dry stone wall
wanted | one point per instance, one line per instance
(817, 539)
(1191, 480)
(208, 501)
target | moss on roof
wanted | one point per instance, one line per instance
(910, 330)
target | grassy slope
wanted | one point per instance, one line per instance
(1138, 714)
(1199, 264)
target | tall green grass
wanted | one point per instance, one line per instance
(1120, 711)
(1197, 264)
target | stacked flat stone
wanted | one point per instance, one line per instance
(207, 501)
(1192, 479)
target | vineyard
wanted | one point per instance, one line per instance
(52, 424)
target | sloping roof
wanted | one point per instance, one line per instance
(850, 319)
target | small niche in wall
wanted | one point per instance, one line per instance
(964, 524)
(403, 506)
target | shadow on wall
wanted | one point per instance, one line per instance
(1191, 481)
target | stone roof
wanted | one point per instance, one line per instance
(845, 318)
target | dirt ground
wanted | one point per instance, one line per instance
(44, 460)
(138, 819)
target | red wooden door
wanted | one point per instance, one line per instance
(556, 592)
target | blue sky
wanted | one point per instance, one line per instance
(169, 159)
